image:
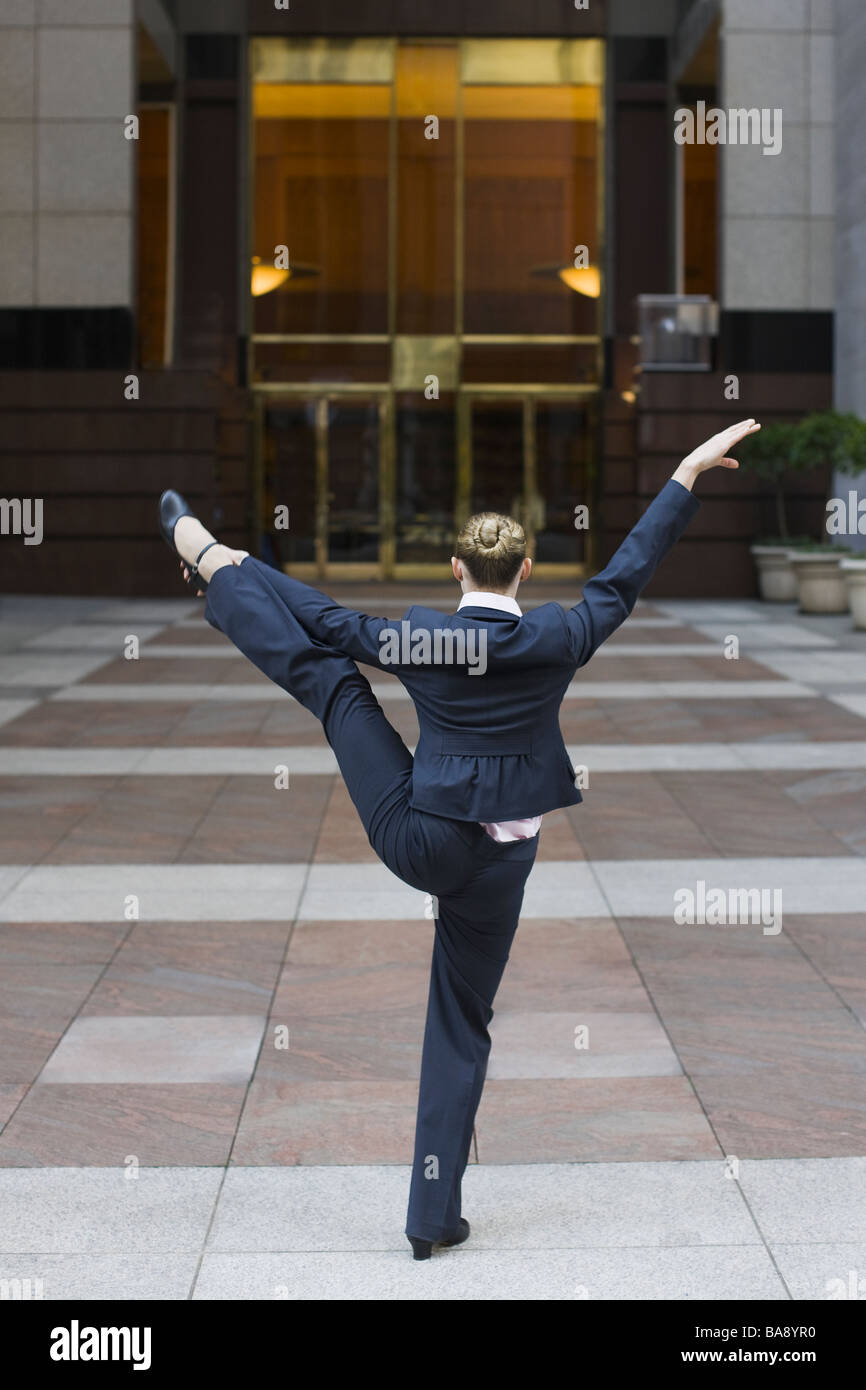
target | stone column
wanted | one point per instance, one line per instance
(67, 81)
(777, 211)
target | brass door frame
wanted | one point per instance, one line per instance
(569, 61)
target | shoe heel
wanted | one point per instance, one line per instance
(421, 1249)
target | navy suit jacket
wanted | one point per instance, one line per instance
(490, 747)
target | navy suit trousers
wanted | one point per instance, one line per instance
(477, 884)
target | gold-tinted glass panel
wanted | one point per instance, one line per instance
(330, 362)
(154, 238)
(321, 190)
(560, 364)
(700, 174)
(310, 60)
(545, 62)
(427, 101)
(532, 197)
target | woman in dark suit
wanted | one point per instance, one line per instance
(460, 821)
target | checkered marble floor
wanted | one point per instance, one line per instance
(213, 995)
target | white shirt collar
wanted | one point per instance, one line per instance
(479, 598)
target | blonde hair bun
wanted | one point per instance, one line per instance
(492, 547)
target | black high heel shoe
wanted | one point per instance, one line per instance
(423, 1249)
(171, 508)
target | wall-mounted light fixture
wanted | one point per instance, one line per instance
(585, 280)
(265, 277)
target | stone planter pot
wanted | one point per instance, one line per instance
(854, 575)
(821, 587)
(776, 582)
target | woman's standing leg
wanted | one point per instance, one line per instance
(474, 932)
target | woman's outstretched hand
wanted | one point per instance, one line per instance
(714, 453)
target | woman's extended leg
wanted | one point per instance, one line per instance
(375, 762)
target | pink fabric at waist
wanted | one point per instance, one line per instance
(507, 830)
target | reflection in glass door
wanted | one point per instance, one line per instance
(353, 525)
(497, 456)
(286, 435)
(426, 453)
(321, 464)
(564, 480)
(533, 458)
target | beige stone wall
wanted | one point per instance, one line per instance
(66, 171)
(777, 212)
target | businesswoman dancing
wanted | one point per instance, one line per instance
(459, 820)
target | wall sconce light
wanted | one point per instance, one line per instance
(585, 280)
(265, 278)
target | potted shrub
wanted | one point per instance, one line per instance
(836, 438)
(768, 454)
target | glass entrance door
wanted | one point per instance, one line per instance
(330, 464)
(321, 464)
